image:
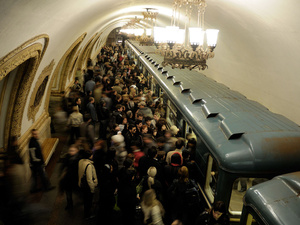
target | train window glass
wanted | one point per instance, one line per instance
(171, 113)
(240, 186)
(211, 179)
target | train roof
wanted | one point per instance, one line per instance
(276, 201)
(243, 135)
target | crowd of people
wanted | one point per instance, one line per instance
(121, 147)
(122, 155)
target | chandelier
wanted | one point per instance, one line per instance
(150, 17)
(142, 29)
(185, 48)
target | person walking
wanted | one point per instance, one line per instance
(37, 164)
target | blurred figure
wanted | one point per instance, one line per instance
(37, 163)
(127, 197)
(152, 208)
(69, 174)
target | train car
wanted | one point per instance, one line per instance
(275, 202)
(240, 143)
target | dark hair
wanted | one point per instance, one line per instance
(219, 206)
(131, 126)
(87, 153)
(152, 152)
(179, 143)
(147, 118)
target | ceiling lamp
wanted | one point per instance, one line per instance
(186, 47)
(150, 18)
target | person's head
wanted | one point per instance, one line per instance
(183, 174)
(144, 129)
(119, 108)
(179, 143)
(139, 123)
(148, 120)
(149, 197)
(174, 130)
(132, 128)
(156, 116)
(139, 116)
(152, 152)
(35, 133)
(73, 150)
(75, 109)
(218, 209)
(91, 100)
(87, 154)
(129, 114)
(124, 120)
(176, 159)
(78, 101)
(142, 105)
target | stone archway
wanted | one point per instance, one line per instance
(26, 60)
(64, 66)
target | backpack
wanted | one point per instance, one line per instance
(191, 196)
(84, 184)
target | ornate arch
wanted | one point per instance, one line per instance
(39, 90)
(86, 51)
(27, 58)
(16, 57)
(65, 63)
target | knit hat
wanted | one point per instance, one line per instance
(152, 171)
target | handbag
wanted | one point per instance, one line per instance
(139, 187)
(84, 184)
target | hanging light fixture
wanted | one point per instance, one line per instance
(149, 17)
(183, 48)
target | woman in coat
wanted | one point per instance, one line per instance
(87, 180)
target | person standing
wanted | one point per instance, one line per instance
(88, 184)
(37, 164)
(74, 122)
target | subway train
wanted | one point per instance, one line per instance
(240, 143)
(273, 202)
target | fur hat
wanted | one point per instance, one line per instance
(174, 130)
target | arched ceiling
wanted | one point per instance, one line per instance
(257, 52)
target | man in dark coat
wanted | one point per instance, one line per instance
(37, 163)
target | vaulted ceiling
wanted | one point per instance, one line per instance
(257, 52)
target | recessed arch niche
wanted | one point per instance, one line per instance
(64, 67)
(24, 61)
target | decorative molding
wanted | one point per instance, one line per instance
(39, 90)
(9, 62)
(26, 58)
(2, 94)
(19, 94)
(86, 50)
(68, 58)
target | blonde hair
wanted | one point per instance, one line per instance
(149, 200)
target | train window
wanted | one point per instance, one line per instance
(171, 113)
(211, 179)
(240, 186)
